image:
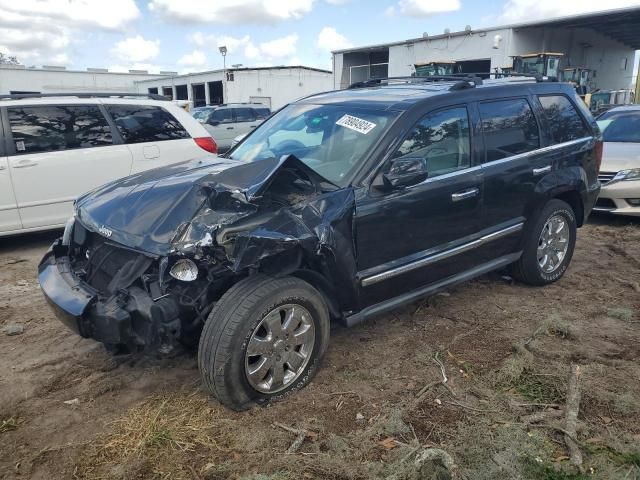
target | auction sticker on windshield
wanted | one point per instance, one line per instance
(355, 123)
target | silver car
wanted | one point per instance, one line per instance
(225, 122)
(620, 170)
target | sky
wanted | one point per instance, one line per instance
(184, 35)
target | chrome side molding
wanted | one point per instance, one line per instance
(422, 262)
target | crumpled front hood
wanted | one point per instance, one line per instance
(150, 210)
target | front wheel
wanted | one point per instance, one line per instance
(263, 340)
(548, 249)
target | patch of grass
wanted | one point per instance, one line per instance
(165, 431)
(620, 313)
(537, 389)
(9, 424)
(543, 471)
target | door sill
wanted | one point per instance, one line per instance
(410, 297)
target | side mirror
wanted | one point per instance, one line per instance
(406, 171)
(213, 123)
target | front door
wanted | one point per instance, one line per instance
(58, 153)
(414, 236)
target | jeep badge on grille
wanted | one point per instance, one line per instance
(105, 231)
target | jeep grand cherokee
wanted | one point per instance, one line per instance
(341, 206)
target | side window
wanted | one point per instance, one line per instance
(57, 127)
(262, 113)
(244, 114)
(509, 128)
(442, 138)
(222, 115)
(138, 124)
(564, 121)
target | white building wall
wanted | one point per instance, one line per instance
(472, 46)
(55, 81)
(613, 62)
(281, 85)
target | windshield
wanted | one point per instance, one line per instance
(620, 126)
(331, 139)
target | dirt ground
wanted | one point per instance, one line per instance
(68, 409)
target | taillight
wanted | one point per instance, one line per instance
(598, 153)
(207, 143)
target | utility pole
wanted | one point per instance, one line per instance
(223, 52)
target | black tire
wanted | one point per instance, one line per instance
(527, 268)
(230, 325)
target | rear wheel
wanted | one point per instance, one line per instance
(549, 245)
(263, 340)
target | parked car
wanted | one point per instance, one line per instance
(620, 174)
(227, 121)
(341, 206)
(55, 147)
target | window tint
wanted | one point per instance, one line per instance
(509, 128)
(222, 115)
(139, 124)
(58, 127)
(244, 114)
(564, 121)
(262, 113)
(443, 139)
(620, 126)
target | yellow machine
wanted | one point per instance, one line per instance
(546, 64)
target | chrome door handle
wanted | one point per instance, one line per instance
(541, 170)
(25, 165)
(229, 128)
(472, 192)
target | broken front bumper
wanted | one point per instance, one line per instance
(128, 318)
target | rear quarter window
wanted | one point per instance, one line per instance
(565, 123)
(142, 123)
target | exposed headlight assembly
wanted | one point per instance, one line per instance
(68, 230)
(632, 174)
(185, 270)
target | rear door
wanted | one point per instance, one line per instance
(9, 217)
(245, 119)
(154, 136)
(512, 166)
(58, 152)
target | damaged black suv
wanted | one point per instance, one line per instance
(341, 206)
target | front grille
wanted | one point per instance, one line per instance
(107, 266)
(606, 177)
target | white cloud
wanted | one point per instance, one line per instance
(329, 39)
(423, 8)
(195, 59)
(267, 51)
(231, 11)
(525, 10)
(136, 49)
(337, 2)
(40, 31)
(280, 47)
(112, 14)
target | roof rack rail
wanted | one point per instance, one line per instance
(433, 78)
(462, 80)
(19, 96)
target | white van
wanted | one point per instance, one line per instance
(55, 147)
